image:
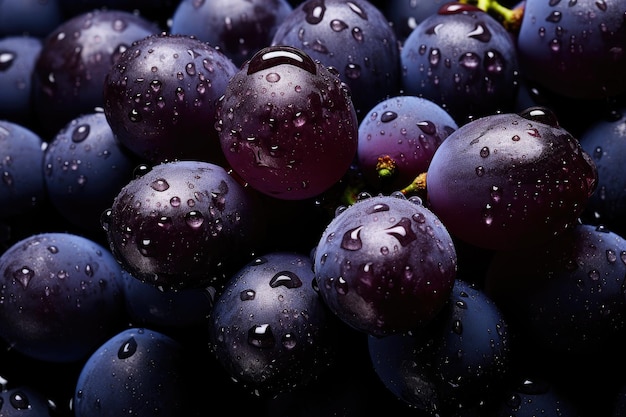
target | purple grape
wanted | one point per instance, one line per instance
(575, 49)
(458, 361)
(510, 180)
(269, 328)
(17, 62)
(62, 296)
(85, 167)
(385, 265)
(137, 371)
(353, 37)
(282, 117)
(74, 60)
(397, 140)
(239, 28)
(160, 98)
(22, 186)
(463, 59)
(183, 224)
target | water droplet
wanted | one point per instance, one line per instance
(159, 185)
(427, 127)
(247, 295)
(480, 171)
(272, 77)
(353, 71)
(611, 256)
(357, 34)
(23, 275)
(128, 348)
(554, 16)
(357, 9)
(388, 116)
(377, 208)
(19, 400)
(134, 116)
(6, 60)
(352, 240)
(289, 341)
(261, 336)
(480, 32)
(484, 152)
(80, 133)
(280, 55)
(286, 279)
(338, 25)
(175, 201)
(469, 60)
(457, 327)
(402, 231)
(194, 219)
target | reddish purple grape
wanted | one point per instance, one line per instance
(74, 61)
(397, 140)
(160, 98)
(574, 48)
(353, 37)
(239, 28)
(463, 59)
(287, 125)
(183, 224)
(385, 265)
(510, 180)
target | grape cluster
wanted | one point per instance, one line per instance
(312, 208)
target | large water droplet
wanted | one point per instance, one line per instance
(286, 279)
(261, 336)
(402, 231)
(352, 240)
(128, 348)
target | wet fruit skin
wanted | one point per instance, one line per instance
(84, 169)
(62, 296)
(160, 98)
(137, 370)
(269, 328)
(353, 37)
(459, 361)
(183, 224)
(22, 186)
(510, 180)
(462, 59)
(282, 117)
(17, 60)
(74, 61)
(385, 265)
(239, 28)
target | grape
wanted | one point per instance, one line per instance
(397, 140)
(239, 28)
(29, 17)
(574, 48)
(22, 188)
(269, 328)
(510, 180)
(62, 296)
(74, 60)
(385, 265)
(604, 141)
(183, 224)
(458, 361)
(84, 169)
(462, 59)
(283, 116)
(354, 38)
(137, 371)
(17, 61)
(160, 98)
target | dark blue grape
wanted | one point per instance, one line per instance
(137, 371)
(603, 140)
(183, 224)
(574, 48)
(385, 265)
(160, 98)
(17, 62)
(282, 118)
(269, 328)
(458, 361)
(62, 296)
(74, 60)
(85, 167)
(29, 17)
(22, 186)
(239, 28)
(150, 306)
(24, 401)
(510, 180)
(566, 296)
(354, 38)
(397, 140)
(463, 59)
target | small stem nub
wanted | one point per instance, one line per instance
(386, 167)
(417, 187)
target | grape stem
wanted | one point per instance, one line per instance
(511, 19)
(386, 167)
(418, 186)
